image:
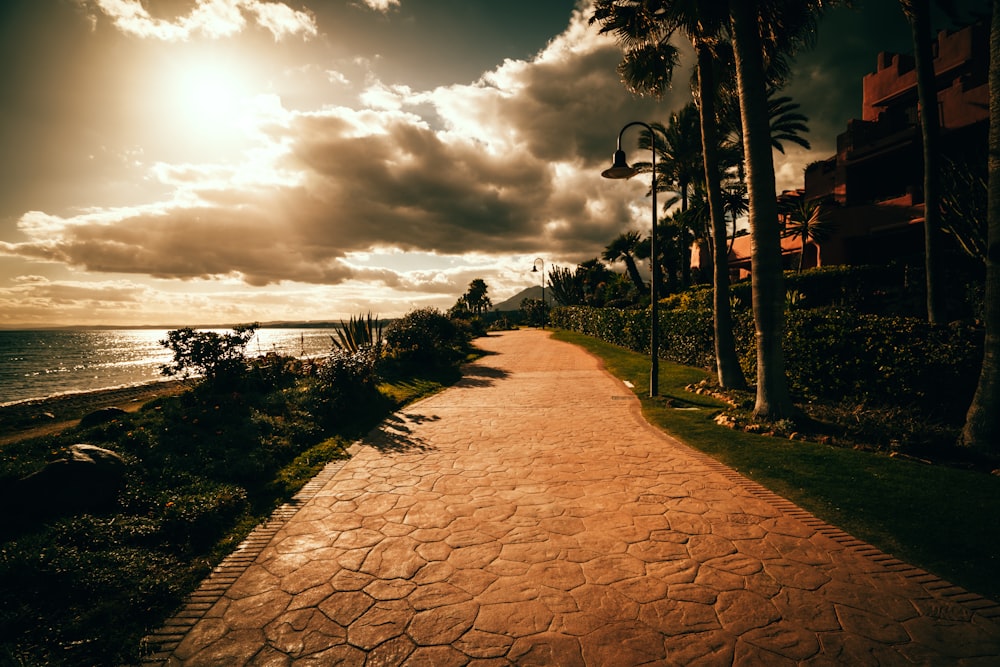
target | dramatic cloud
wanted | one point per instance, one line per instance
(381, 5)
(211, 18)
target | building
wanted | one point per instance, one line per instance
(872, 189)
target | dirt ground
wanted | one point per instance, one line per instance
(50, 415)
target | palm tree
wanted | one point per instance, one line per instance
(918, 15)
(761, 32)
(475, 297)
(787, 124)
(678, 147)
(623, 249)
(982, 423)
(806, 221)
(735, 204)
(594, 277)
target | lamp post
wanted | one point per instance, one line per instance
(619, 169)
(534, 269)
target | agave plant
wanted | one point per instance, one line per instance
(360, 333)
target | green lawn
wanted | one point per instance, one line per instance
(941, 519)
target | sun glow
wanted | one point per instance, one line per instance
(207, 98)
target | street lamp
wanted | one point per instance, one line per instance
(534, 269)
(620, 169)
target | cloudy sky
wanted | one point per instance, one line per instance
(172, 162)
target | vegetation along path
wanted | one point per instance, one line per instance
(529, 515)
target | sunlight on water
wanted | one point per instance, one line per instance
(35, 364)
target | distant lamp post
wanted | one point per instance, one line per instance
(620, 168)
(534, 269)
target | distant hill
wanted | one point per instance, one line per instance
(514, 302)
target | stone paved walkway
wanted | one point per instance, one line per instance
(530, 516)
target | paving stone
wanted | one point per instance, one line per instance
(442, 625)
(622, 643)
(547, 649)
(877, 628)
(346, 606)
(700, 649)
(740, 611)
(516, 619)
(438, 594)
(380, 623)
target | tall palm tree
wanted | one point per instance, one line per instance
(623, 249)
(918, 14)
(760, 32)
(806, 221)
(982, 423)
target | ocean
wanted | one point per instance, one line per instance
(42, 363)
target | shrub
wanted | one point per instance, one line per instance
(425, 339)
(830, 353)
(346, 382)
(195, 515)
(534, 312)
(216, 357)
(883, 360)
(360, 332)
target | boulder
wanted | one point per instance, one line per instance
(102, 416)
(86, 479)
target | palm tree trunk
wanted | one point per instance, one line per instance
(726, 361)
(982, 423)
(685, 244)
(767, 282)
(920, 25)
(633, 273)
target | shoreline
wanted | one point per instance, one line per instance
(41, 416)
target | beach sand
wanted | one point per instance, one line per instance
(49, 415)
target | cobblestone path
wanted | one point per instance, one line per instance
(530, 516)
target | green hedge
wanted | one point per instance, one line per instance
(830, 353)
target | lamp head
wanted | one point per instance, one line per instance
(534, 269)
(620, 167)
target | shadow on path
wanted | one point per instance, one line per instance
(480, 376)
(396, 435)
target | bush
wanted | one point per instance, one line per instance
(346, 384)
(219, 358)
(830, 353)
(425, 339)
(534, 312)
(882, 360)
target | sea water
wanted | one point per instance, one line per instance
(40, 363)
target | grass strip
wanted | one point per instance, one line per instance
(941, 519)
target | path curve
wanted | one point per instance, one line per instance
(530, 516)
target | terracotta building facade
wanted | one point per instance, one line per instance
(872, 189)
